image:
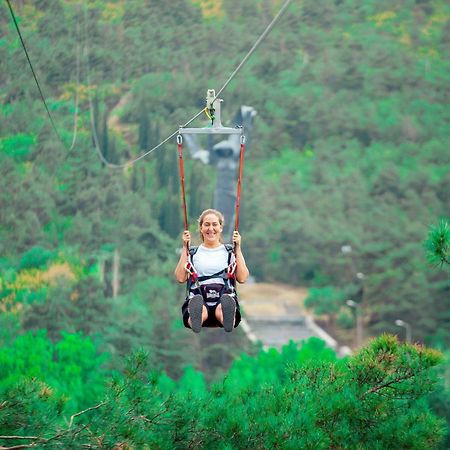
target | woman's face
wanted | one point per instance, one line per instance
(211, 229)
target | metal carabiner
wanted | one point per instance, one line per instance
(242, 138)
(179, 139)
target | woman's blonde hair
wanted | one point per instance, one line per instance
(218, 214)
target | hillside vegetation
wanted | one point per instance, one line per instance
(347, 169)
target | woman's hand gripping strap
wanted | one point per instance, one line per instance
(190, 269)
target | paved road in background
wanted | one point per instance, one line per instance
(274, 315)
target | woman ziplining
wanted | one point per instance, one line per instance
(211, 271)
(225, 311)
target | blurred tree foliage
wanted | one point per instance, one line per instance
(70, 368)
(299, 398)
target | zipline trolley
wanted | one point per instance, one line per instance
(212, 110)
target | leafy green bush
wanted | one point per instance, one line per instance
(18, 146)
(345, 320)
(35, 258)
(71, 367)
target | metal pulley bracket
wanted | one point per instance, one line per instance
(213, 107)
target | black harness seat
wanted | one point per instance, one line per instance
(211, 293)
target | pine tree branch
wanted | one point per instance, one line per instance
(444, 259)
(16, 447)
(438, 243)
(72, 417)
(19, 437)
(37, 440)
(389, 383)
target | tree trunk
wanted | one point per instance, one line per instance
(115, 273)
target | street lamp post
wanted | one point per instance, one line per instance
(359, 323)
(407, 327)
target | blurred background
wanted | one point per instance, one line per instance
(346, 173)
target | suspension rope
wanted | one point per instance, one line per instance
(190, 269)
(239, 182)
(183, 193)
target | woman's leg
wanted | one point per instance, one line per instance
(197, 313)
(226, 312)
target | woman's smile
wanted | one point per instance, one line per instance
(211, 229)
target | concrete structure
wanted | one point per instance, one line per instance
(224, 155)
(273, 315)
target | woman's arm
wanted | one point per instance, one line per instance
(180, 272)
(242, 272)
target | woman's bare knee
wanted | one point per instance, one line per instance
(219, 314)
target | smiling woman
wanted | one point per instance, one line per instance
(210, 225)
(211, 271)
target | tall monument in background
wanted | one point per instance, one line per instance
(224, 155)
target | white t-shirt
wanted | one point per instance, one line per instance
(208, 261)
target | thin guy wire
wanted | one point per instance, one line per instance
(75, 127)
(32, 69)
(91, 106)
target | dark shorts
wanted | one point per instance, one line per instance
(211, 321)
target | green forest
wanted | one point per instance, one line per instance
(347, 172)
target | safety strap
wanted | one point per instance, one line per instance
(183, 193)
(228, 273)
(224, 274)
(239, 182)
(188, 267)
(221, 274)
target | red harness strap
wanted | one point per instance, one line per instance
(190, 269)
(239, 183)
(231, 270)
(183, 194)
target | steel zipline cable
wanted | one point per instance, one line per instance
(255, 46)
(234, 73)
